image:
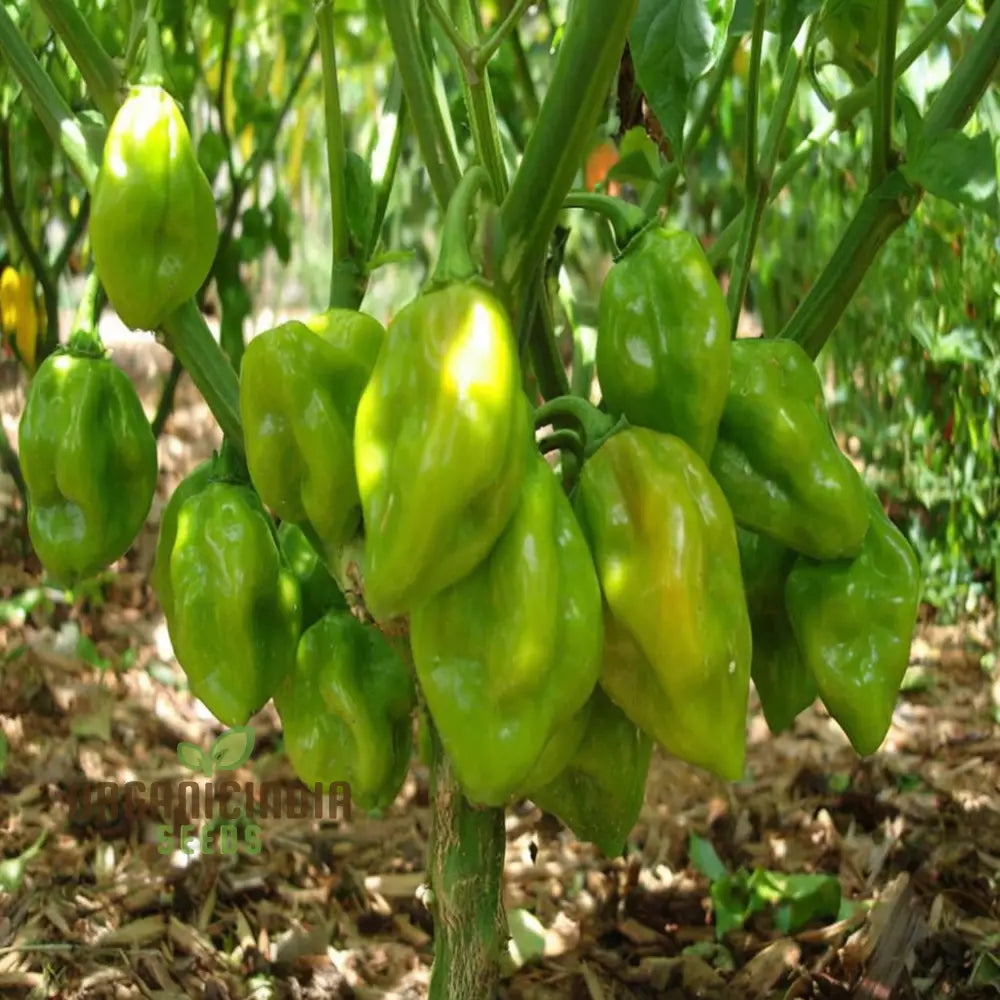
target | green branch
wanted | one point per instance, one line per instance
(490, 45)
(882, 211)
(885, 86)
(347, 284)
(41, 271)
(104, 81)
(482, 111)
(395, 110)
(588, 57)
(436, 147)
(51, 109)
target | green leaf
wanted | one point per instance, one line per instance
(527, 937)
(211, 154)
(742, 20)
(87, 652)
(672, 43)
(959, 168)
(705, 859)
(280, 213)
(798, 899)
(638, 158)
(732, 902)
(193, 758)
(232, 748)
(786, 18)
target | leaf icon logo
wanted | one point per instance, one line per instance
(194, 758)
(232, 748)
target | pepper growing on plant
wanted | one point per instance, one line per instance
(232, 606)
(677, 633)
(499, 688)
(300, 384)
(153, 229)
(439, 439)
(87, 454)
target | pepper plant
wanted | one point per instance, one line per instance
(437, 521)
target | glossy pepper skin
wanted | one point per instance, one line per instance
(783, 682)
(318, 590)
(508, 654)
(599, 793)
(299, 392)
(439, 445)
(152, 220)
(232, 607)
(853, 621)
(677, 633)
(663, 339)
(89, 462)
(345, 710)
(776, 458)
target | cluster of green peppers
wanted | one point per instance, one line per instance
(714, 534)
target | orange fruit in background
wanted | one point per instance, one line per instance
(601, 159)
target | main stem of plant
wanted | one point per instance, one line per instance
(465, 865)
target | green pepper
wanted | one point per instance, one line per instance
(853, 621)
(299, 391)
(345, 710)
(508, 654)
(663, 339)
(318, 590)
(153, 230)
(232, 607)
(89, 463)
(783, 682)
(439, 445)
(677, 632)
(599, 793)
(776, 458)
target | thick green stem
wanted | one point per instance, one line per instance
(479, 101)
(187, 335)
(884, 210)
(346, 285)
(98, 69)
(626, 220)
(954, 104)
(588, 57)
(436, 148)
(52, 110)
(466, 854)
(877, 218)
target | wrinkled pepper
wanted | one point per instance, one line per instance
(89, 461)
(663, 342)
(508, 654)
(677, 632)
(231, 605)
(318, 590)
(299, 391)
(783, 682)
(853, 621)
(600, 792)
(153, 229)
(345, 710)
(776, 458)
(439, 445)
